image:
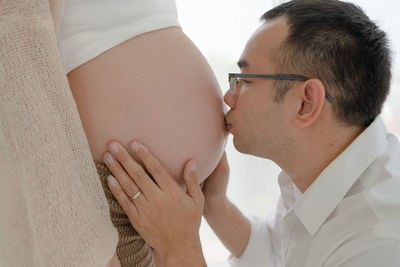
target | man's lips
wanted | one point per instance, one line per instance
(228, 126)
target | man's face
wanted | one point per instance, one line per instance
(258, 124)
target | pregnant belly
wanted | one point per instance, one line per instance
(156, 88)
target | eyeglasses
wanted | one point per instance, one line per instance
(233, 80)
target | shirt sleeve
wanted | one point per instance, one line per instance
(259, 250)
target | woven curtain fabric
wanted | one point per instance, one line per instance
(53, 211)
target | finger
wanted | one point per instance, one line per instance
(153, 165)
(127, 184)
(138, 199)
(134, 170)
(127, 205)
(191, 181)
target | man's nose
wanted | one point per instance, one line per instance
(230, 99)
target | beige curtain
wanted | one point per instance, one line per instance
(53, 211)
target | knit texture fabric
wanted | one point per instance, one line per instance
(53, 209)
(132, 250)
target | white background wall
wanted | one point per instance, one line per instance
(220, 29)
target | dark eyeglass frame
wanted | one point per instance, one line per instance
(233, 77)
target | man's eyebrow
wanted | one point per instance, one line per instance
(242, 63)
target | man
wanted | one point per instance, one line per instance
(323, 74)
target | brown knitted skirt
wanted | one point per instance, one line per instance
(131, 249)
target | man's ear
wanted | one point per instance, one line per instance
(312, 100)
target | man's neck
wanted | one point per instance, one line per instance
(316, 153)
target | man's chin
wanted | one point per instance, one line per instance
(239, 145)
(244, 147)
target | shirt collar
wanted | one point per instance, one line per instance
(315, 205)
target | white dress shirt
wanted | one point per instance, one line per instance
(349, 216)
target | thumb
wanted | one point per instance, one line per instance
(192, 184)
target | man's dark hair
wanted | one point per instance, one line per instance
(337, 43)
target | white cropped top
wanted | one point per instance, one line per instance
(90, 27)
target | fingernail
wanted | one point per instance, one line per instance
(109, 158)
(135, 146)
(193, 167)
(111, 181)
(114, 147)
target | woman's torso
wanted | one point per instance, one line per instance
(156, 88)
